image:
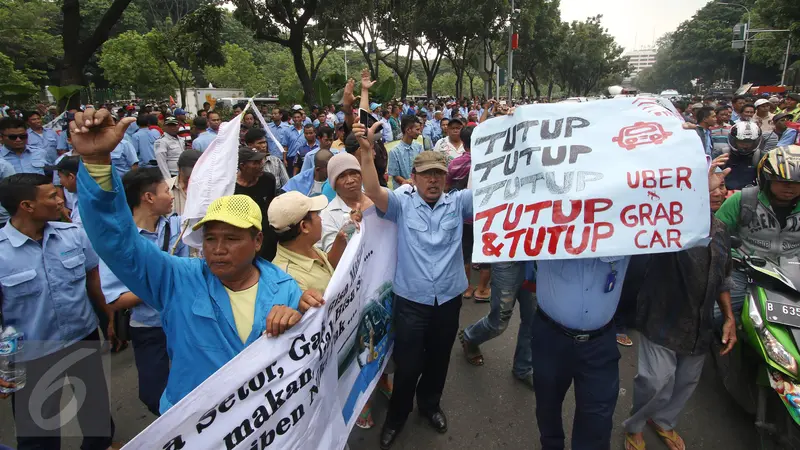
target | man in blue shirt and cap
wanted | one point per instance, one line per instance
(211, 308)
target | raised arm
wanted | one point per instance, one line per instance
(137, 262)
(369, 175)
(366, 83)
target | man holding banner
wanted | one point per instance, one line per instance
(428, 282)
(578, 188)
(211, 309)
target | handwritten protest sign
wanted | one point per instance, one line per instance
(578, 180)
(305, 388)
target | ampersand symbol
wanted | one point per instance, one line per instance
(489, 249)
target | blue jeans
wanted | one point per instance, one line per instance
(593, 366)
(507, 279)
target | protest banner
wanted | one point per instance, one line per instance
(305, 388)
(578, 180)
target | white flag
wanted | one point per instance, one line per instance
(214, 176)
(266, 128)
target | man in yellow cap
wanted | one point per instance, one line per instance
(211, 309)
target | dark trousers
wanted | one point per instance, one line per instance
(38, 417)
(424, 337)
(152, 364)
(558, 361)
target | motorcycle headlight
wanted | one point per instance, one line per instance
(775, 350)
(754, 314)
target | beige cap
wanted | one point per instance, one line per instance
(290, 208)
(428, 160)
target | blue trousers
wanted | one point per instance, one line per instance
(152, 364)
(507, 280)
(593, 366)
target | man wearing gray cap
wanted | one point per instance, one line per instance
(168, 148)
(428, 282)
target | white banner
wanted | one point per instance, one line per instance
(305, 388)
(578, 180)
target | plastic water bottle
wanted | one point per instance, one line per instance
(12, 369)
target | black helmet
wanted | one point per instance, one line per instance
(779, 164)
(745, 138)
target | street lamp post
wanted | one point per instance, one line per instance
(746, 32)
(510, 53)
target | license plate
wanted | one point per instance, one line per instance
(783, 314)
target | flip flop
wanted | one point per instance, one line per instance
(482, 298)
(624, 340)
(670, 437)
(471, 352)
(364, 420)
(630, 443)
(466, 296)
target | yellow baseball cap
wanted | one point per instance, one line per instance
(237, 210)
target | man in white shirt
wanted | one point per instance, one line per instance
(344, 175)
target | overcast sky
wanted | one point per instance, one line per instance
(634, 23)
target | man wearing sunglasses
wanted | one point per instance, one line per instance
(15, 149)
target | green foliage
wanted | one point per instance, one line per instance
(64, 92)
(239, 71)
(16, 87)
(31, 36)
(129, 63)
(383, 91)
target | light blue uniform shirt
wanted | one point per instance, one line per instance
(572, 291)
(202, 142)
(789, 137)
(308, 162)
(429, 134)
(430, 265)
(401, 159)
(281, 133)
(62, 145)
(113, 288)
(386, 131)
(31, 160)
(6, 170)
(48, 140)
(295, 140)
(44, 286)
(301, 147)
(195, 309)
(124, 157)
(303, 183)
(307, 121)
(340, 116)
(144, 142)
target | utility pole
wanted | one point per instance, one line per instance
(786, 61)
(746, 33)
(510, 53)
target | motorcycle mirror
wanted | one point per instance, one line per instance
(736, 242)
(758, 261)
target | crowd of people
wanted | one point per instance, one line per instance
(76, 205)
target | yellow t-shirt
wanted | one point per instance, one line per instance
(310, 273)
(243, 304)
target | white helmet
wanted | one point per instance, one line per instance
(744, 138)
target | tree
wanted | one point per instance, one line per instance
(16, 87)
(541, 35)
(360, 20)
(77, 50)
(239, 71)
(188, 46)
(129, 63)
(29, 36)
(588, 55)
(287, 23)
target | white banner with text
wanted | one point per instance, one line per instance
(578, 180)
(305, 388)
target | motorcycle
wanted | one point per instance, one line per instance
(770, 333)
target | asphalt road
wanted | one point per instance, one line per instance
(486, 407)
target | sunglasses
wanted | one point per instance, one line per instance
(17, 137)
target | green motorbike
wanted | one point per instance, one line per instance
(768, 354)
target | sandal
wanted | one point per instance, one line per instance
(483, 298)
(471, 352)
(624, 340)
(632, 444)
(670, 437)
(385, 388)
(468, 293)
(364, 420)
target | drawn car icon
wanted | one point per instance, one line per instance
(641, 133)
